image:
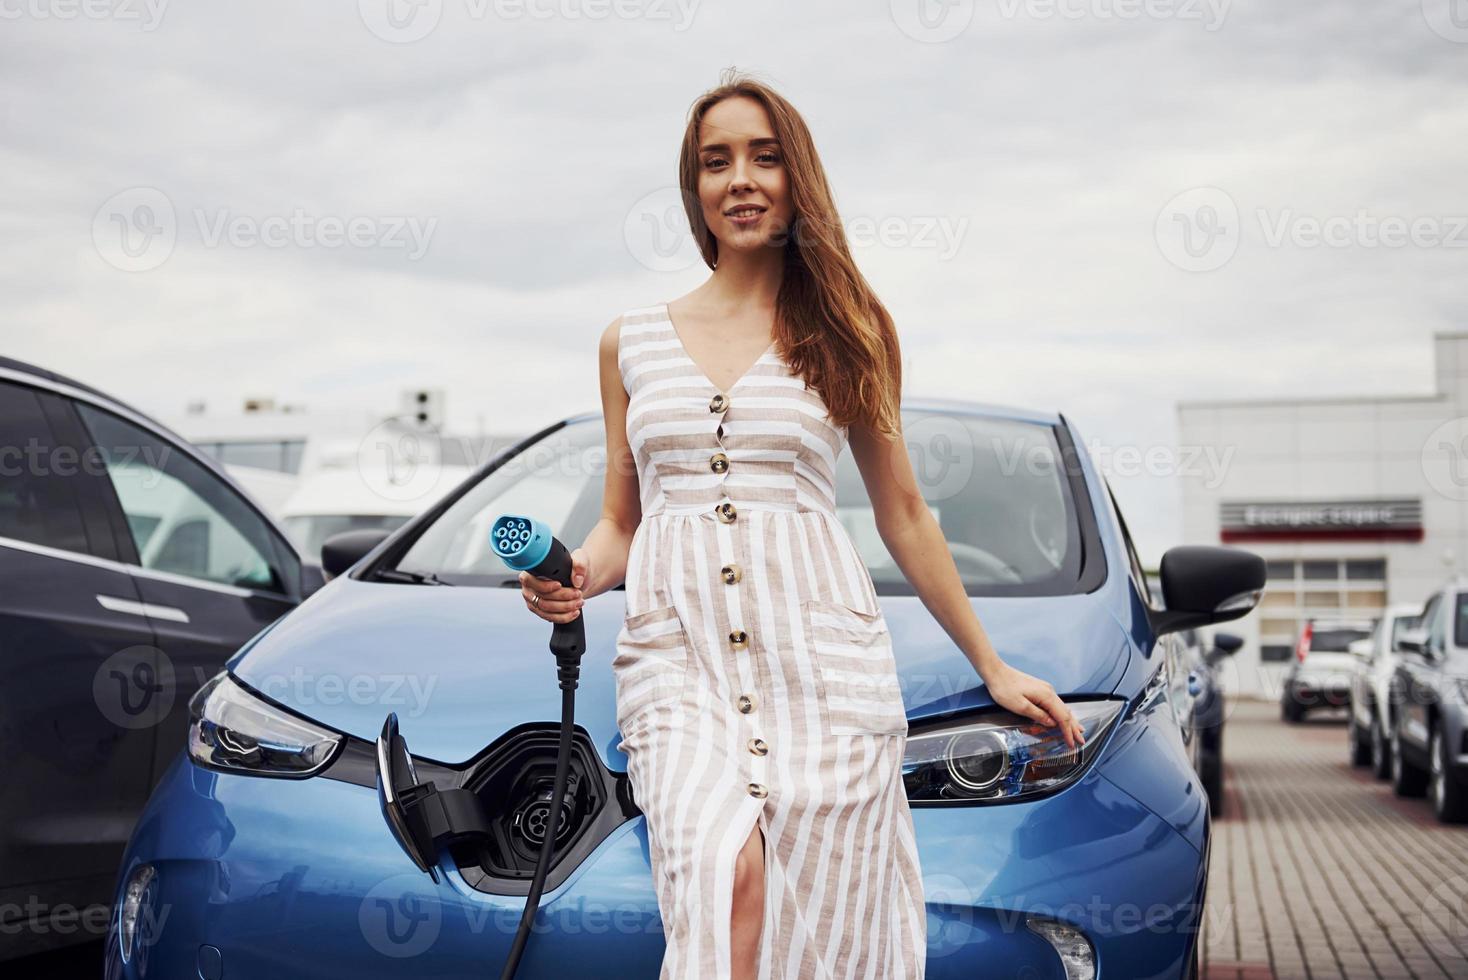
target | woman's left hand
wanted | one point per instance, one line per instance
(1033, 698)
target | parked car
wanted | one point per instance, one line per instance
(267, 849)
(328, 501)
(1371, 681)
(1320, 675)
(133, 567)
(1206, 683)
(1429, 739)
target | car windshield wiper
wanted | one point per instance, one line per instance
(412, 578)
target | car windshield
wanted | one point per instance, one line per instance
(1404, 624)
(995, 486)
(1335, 640)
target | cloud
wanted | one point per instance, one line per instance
(1045, 143)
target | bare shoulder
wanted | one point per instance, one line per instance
(609, 337)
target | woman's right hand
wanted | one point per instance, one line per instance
(557, 603)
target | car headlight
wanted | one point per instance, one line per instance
(136, 905)
(1001, 757)
(230, 728)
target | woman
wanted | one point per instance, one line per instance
(757, 695)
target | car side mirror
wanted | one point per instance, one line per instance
(1206, 584)
(1360, 648)
(345, 548)
(1413, 641)
(1227, 643)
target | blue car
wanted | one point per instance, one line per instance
(266, 850)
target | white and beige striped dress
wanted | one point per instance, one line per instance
(755, 677)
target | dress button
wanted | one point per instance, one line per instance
(718, 403)
(739, 639)
(731, 573)
(758, 746)
(758, 791)
(718, 462)
(746, 704)
(726, 512)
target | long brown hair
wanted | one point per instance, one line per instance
(832, 329)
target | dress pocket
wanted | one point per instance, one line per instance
(853, 653)
(651, 665)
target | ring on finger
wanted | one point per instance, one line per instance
(535, 599)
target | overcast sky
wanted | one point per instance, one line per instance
(1096, 206)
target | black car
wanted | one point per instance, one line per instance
(131, 568)
(1429, 706)
(1203, 658)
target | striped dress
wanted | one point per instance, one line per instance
(755, 677)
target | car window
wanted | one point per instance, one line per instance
(38, 502)
(183, 518)
(1138, 575)
(1403, 624)
(1437, 627)
(997, 488)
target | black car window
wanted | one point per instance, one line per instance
(183, 518)
(39, 500)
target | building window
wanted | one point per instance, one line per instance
(1373, 569)
(1353, 588)
(1280, 569)
(1322, 570)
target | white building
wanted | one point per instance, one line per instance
(1354, 502)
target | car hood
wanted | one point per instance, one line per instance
(461, 666)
